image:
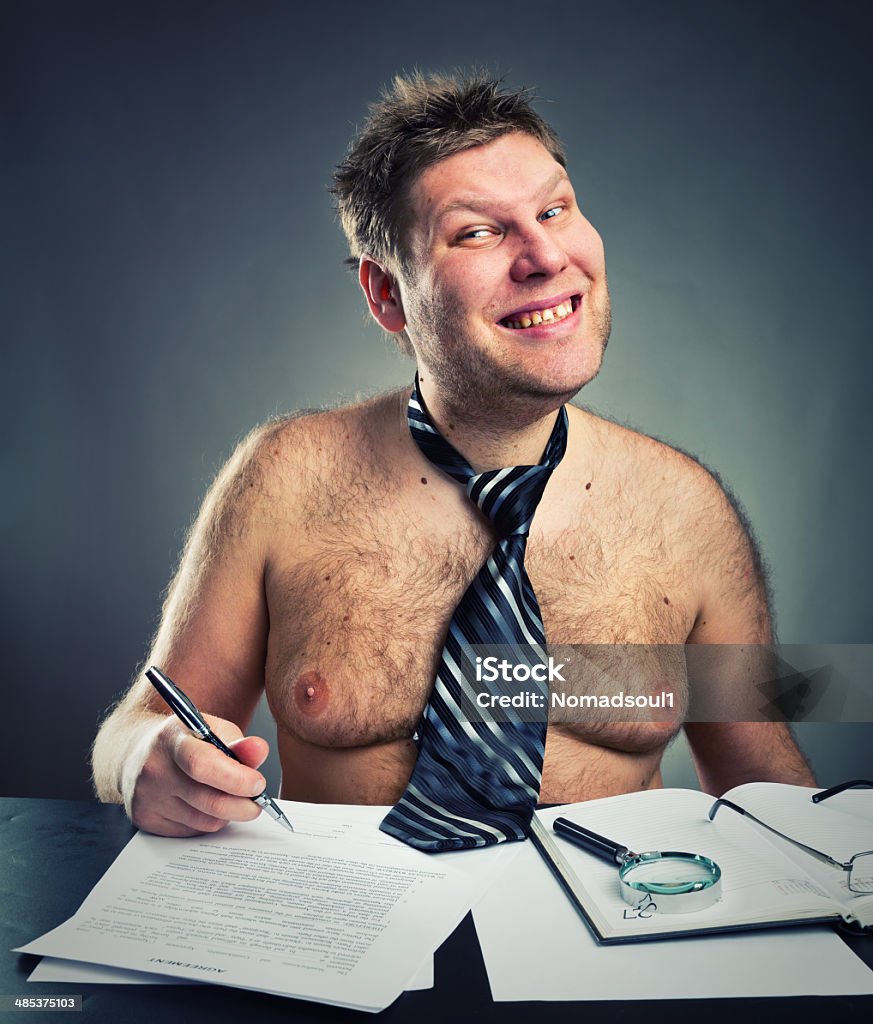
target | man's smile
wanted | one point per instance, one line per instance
(545, 312)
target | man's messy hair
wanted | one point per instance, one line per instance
(420, 120)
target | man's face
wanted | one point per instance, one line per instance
(506, 293)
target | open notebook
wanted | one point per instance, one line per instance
(765, 880)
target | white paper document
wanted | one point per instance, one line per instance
(338, 912)
(537, 947)
(50, 968)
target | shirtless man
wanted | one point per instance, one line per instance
(329, 554)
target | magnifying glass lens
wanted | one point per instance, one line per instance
(668, 874)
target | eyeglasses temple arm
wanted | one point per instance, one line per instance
(795, 842)
(825, 793)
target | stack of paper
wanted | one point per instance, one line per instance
(337, 912)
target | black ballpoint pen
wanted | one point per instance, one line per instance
(185, 711)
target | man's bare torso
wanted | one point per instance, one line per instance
(371, 549)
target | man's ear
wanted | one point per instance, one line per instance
(382, 295)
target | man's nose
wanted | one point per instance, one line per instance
(539, 253)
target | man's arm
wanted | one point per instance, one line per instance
(212, 642)
(733, 611)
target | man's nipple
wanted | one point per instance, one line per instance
(311, 693)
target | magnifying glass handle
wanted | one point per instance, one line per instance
(600, 846)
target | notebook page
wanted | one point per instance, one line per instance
(840, 830)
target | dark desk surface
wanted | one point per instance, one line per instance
(52, 852)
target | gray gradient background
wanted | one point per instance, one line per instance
(172, 275)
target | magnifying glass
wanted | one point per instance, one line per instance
(669, 881)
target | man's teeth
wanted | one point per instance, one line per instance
(540, 316)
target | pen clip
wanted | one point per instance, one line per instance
(177, 700)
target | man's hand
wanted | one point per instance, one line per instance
(175, 784)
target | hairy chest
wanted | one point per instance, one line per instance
(359, 609)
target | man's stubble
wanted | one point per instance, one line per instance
(477, 384)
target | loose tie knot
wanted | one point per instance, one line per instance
(509, 497)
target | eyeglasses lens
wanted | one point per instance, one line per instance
(861, 875)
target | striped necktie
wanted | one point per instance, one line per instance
(477, 777)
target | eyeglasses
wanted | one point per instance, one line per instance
(859, 868)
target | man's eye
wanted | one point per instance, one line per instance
(476, 233)
(551, 213)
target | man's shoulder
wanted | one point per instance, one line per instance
(682, 506)
(649, 467)
(296, 452)
(669, 492)
(293, 468)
